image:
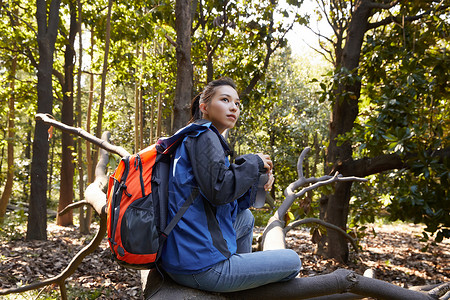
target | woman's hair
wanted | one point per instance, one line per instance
(206, 96)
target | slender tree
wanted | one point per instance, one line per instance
(46, 37)
(86, 212)
(67, 117)
(10, 148)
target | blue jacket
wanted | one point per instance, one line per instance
(205, 235)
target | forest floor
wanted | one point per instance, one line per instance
(394, 252)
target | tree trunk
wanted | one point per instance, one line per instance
(98, 130)
(10, 148)
(90, 164)
(86, 211)
(183, 90)
(141, 105)
(345, 111)
(46, 37)
(137, 108)
(26, 183)
(50, 168)
(67, 143)
(160, 108)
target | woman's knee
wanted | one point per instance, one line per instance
(244, 219)
(291, 259)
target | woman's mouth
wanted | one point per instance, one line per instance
(233, 117)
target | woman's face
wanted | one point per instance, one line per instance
(223, 109)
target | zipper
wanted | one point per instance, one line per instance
(139, 161)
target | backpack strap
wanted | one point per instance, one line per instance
(181, 212)
(165, 233)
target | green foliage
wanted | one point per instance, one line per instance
(404, 110)
(262, 216)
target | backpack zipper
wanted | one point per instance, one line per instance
(139, 161)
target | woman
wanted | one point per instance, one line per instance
(210, 248)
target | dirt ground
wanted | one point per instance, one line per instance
(394, 253)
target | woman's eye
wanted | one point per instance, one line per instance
(238, 104)
(225, 99)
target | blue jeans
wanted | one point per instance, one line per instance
(244, 270)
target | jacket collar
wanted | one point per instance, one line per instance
(222, 139)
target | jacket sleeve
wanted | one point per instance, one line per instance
(217, 182)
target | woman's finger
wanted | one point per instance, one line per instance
(269, 182)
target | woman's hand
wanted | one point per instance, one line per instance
(270, 181)
(266, 160)
(268, 165)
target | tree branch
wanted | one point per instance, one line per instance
(323, 223)
(290, 193)
(171, 41)
(377, 5)
(59, 76)
(73, 206)
(396, 19)
(48, 119)
(368, 166)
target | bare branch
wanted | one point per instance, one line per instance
(48, 119)
(170, 40)
(300, 160)
(91, 73)
(396, 19)
(59, 76)
(376, 5)
(321, 53)
(319, 34)
(73, 206)
(323, 223)
(337, 177)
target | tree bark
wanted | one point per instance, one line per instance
(46, 37)
(67, 165)
(183, 90)
(7, 191)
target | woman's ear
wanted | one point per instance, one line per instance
(203, 108)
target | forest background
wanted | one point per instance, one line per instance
(374, 102)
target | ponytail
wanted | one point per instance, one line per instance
(196, 114)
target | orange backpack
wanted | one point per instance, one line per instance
(137, 203)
